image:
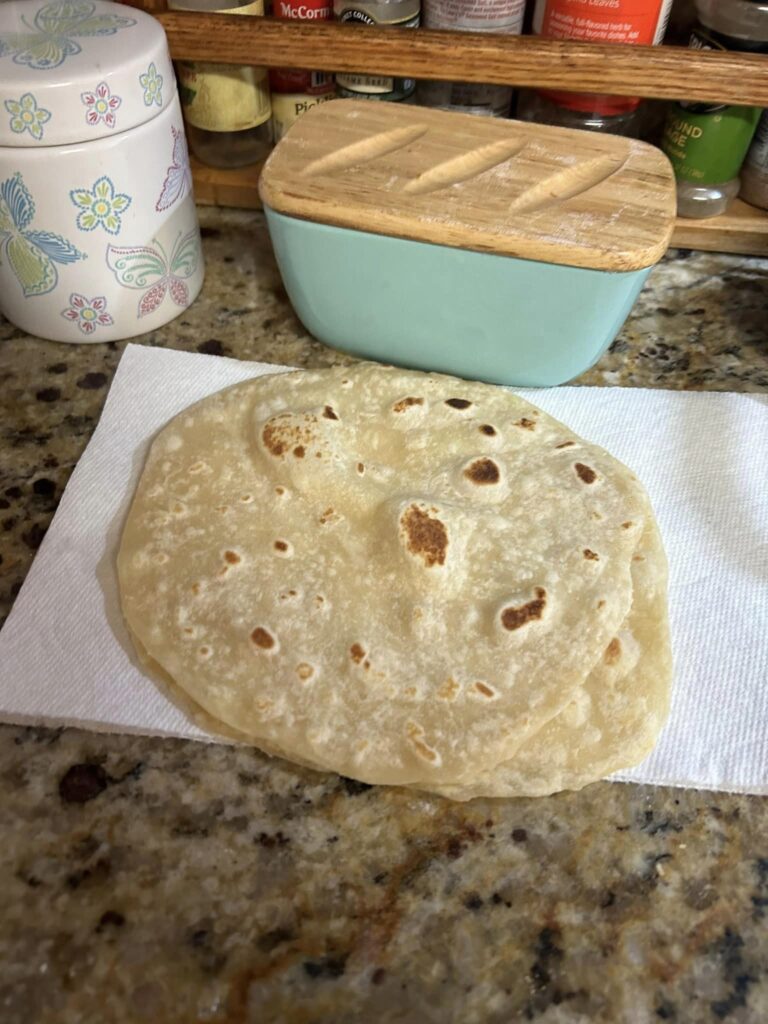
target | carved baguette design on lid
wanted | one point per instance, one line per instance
(566, 184)
(464, 167)
(362, 152)
(511, 188)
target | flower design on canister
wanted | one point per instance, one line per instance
(26, 116)
(101, 105)
(100, 206)
(152, 84)
(88, 314)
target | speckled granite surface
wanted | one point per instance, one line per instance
(171, 882)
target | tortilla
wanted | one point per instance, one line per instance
(615, 719)
(394, 575)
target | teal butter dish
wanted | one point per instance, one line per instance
(496, 250)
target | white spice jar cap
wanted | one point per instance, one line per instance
(76, 70)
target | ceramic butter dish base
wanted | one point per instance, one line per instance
(500, 251)
(499, 319)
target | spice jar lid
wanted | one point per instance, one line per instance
(76, 70)
(556, 195)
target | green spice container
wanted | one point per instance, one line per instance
(707, 143)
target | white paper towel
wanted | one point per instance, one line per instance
(65, 656)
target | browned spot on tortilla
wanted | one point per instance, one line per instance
(483, 471)
(360, 467)
(222, 508)
(356, 653)
(270, 435)
(366, 664)
(406, 403)
(514, 618)
(458, 403)
(281, 545)
(299, 451)
(591, 555)
(449, 689)
(326, 516)
(526, 424)
(626, 526)
(279, 490)
(601, 604)
(415, 734)
(488, 430)
(189, 630)
(612, 652)
(195, 588)
(565, 444)
(319, 599)
(329, 413)
(232, 557)
(427, 537)
(638, 558)
(585, 473)
(263, 638)
(304, 671)
(485, 690)
(205, 651)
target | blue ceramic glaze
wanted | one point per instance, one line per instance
(476, 315)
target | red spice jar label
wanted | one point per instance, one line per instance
(314, 83)
(634, 22)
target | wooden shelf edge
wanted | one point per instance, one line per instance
(216, 186)
(743, 229)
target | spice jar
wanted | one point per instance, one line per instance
(471, 16)
(390, 13)
(754, 172)
(706, 143)
(98, 229)
(295, 90)
(600, 21)
(227, 108)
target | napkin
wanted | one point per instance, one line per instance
(65, 656)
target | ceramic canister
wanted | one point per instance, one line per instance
(98, 229)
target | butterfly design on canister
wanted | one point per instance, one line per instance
(151, 270)
(31, 255)
(52, 38)
(178, 178)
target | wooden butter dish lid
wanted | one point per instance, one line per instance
(557, 195)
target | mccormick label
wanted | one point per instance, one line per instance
(294, 80)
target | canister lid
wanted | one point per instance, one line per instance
(556, 195)
(76, 70)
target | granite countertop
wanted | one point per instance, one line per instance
(174, 882)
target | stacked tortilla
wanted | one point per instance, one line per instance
(405, 578)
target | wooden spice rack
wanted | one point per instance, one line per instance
(662, 72)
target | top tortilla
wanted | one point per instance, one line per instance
(400, 576)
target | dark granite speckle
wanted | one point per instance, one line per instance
(175, 882)
(82, 782)
(92, 381)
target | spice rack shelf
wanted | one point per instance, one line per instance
(661, 72)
